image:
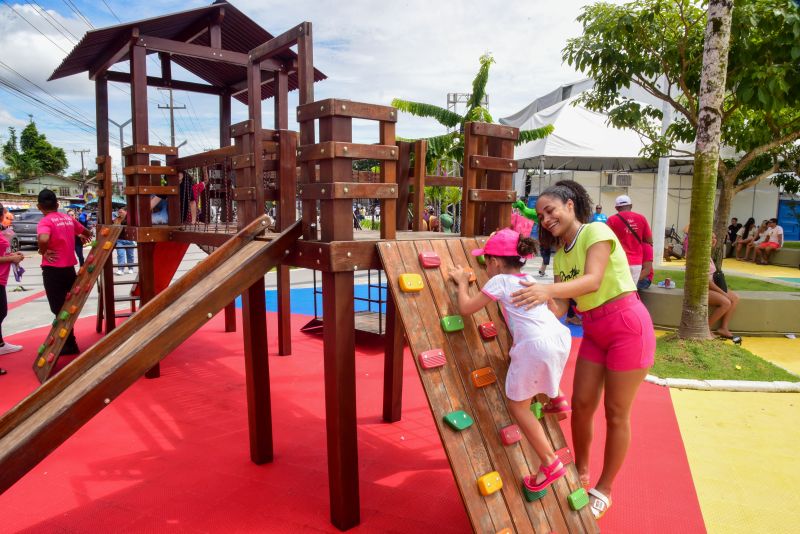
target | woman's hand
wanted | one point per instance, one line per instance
(459, 275)
(16, 257)
(51, 255)
(532, 295)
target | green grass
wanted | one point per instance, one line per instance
(713, 360)
(791, 244)
(737, 283)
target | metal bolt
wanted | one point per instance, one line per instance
(344, 149)
(286, 251)
(322, 150)
(391, 152)
(477, 162)
(322, 108)
(346, 189)
(508, 196)
(300, 29)
(355, 267)
(323, 190)
(391, 113)
(319, 250)
(344, 107)
(209, 315)
(263, 223)
(317, 262)
(300, 253)
(107, 400)
(349, 254)
(391, 189)
(510, 164)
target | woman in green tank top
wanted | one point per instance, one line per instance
(619, 341)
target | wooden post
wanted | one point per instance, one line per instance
(403, 184)
(254, 316)
(418, 202)
(225, 140)
(142, 214)
(101, 115)
(393, 363)
(287, 189)
(388, 176)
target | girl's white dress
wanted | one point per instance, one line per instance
(541, 343)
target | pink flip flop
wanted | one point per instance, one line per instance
(559, 406)
(552, 472)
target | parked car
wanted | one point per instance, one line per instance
(24, 227)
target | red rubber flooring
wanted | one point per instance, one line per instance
(171, 455)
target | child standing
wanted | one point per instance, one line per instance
(56, 237)
(541, 343)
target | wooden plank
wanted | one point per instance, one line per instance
(50, 350)
(345, 108)
(388, 176)
(342, 149)
(491, 195)
(339, 190)
(470, 181)
(129, 170)
(490, 163)
(444, 181)
(151, 190)
(178, 85)
(420, 181)
(150, 149)
(148, 234)
(241, 128)
(280, 43)
(392, 363)
(242, 161)
(403, 185)
(442, 385)
(191, 50)
(287, 213)
(492, 130)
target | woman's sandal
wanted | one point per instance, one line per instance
(551, 472)
(737, 340)
(559, 406)
(599, 503)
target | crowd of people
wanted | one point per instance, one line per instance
(748, 242)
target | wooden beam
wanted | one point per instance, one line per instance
(492, 195)
(493, 130)
(345, 149)
(446, 181)
(208, 53)
(339, 190)
(281, 43)
(149, 149)
(345, 108)
(113, 56)
(490, 163)
(180, 85)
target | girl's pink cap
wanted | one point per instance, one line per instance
(501, 243)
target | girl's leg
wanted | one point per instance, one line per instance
(621, 388)
(722, 303)
(3, 311)
(587, 388)
(532, 428)
(726, 318)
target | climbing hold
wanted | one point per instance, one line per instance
(41, 350)
(489, 483)
(487, 330)
(482, 260)
(93, 243)
(77, 290)
(63, 333)
(510, 434)
(69, 295)
(471, 273)
(64, 315)
(531, 496)
(50, 341)
(410, 282)
(452, 323)
(90, 258)
(73, 309)
(483, 377)
(90, 268)
(565, 455)
(578, 499)
(458, 420)
(87, 288)
(51, 357)
(81, 270)
(432, 358)
(105, 231)
(429, 259)
(40, 362)
(536, 408)
(108, 245)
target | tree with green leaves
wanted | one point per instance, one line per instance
(31, 155)
(658, 44)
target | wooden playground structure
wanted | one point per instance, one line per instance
(237, 59)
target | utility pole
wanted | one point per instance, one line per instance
(171, 109)
(121, 146)
(84, 187)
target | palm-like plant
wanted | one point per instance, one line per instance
(448, 148)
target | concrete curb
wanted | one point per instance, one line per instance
(725, 385)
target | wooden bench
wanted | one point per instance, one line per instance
(759, 312)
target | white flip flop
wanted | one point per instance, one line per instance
(599, 503)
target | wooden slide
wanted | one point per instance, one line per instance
(47, 417)
(478, 450)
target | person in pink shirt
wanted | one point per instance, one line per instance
(197, 191)
(632, 230)
(56, 237)
(6, 259)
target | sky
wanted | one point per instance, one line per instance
(371, 51)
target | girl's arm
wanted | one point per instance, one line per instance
(467, 305)
(597, 258)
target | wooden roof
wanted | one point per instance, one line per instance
(239, 34)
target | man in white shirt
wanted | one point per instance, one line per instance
(772, 242)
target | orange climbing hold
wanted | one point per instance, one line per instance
(483, 377)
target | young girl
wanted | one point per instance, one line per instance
(7, 258)
(541, 343)
(618, 338)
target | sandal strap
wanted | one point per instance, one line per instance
(548, 469)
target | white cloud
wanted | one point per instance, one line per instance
(371, 51)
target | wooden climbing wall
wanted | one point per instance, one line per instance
(477, 450)
(49, 351)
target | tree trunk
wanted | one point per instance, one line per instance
(694, 318)
(721, 218)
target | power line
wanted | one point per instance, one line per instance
(33, 26)
(112, 11)
(77, 11)
(37, 8)
(67, 30)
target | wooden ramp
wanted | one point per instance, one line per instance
(477, 450)
(53, 412)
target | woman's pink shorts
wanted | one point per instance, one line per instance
(619, 335)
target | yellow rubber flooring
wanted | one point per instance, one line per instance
(746, 267)
(743, 450)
